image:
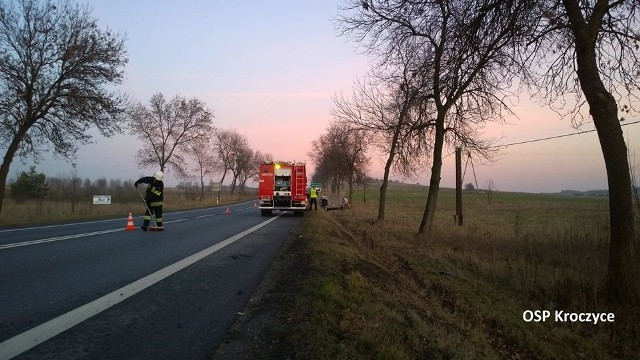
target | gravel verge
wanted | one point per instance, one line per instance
(263, 328)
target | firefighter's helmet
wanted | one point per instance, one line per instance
(159, 175)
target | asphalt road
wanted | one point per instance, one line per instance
(92, 290)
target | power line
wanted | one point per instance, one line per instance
(555, 137)
(470, 160)
(544, 139)
(524, 142)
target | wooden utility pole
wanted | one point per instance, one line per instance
(364, 190)
(458, 218)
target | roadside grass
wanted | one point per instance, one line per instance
(34, 212)
(377, 290)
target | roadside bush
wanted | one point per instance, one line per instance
(29, 185)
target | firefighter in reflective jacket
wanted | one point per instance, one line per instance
(153, 197)
(314, 198)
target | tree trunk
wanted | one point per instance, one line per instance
(387, 169)
(385, 180)
(234, 183)
(243, 185)
(622, 276)
(201, 188)
(224, 174)
(4, 173)
(383, 195)
(351, 187)
(434, 182)
(364, 190)
(12, 149)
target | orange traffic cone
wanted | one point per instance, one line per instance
(130, 225)
(228, 211)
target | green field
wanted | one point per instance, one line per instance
(377, 290)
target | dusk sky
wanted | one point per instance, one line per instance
(269, 70)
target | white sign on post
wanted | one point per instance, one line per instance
(101, 199)
(216, 187)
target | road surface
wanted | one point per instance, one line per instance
(93, 290)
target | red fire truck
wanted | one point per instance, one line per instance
(282, 186)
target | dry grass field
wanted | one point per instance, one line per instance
(376, 290)
(46, 211)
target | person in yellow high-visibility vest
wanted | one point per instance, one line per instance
(313, 195)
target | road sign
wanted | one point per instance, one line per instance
(215, 186)
(101, 199)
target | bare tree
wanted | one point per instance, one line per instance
(386, 107)
(340, 155)
(205, 160)
(167, 129)
(468, 49)
(354, 146)
(73, 187)
(325, 171)
(491, 187)
(237, 157)
(243, 156)
(588, 50)
(86, 184)
(234, 155)
(223, 149)
(252, 168)
(635, 183)
(57, 72)
(328, 159)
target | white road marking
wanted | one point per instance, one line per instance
(174, 221)
(67, 237)
(107, 220)
(215, 207)
(224, 213)
(59, 225)
(41, 333)
(59, 238)
(74, 236)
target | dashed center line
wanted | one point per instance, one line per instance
(75, 236)
(58, 238)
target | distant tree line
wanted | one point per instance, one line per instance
(35, 185)
(340, 156)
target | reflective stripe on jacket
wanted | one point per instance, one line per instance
(154, 192)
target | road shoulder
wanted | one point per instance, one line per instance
(262, 329)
